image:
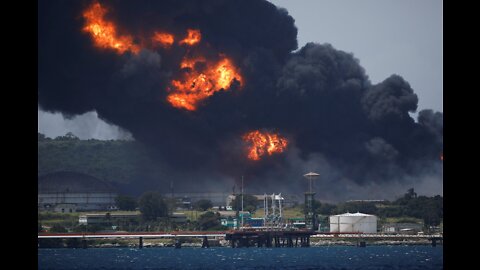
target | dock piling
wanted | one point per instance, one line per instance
(205, 242)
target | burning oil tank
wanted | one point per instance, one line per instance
(353, 223)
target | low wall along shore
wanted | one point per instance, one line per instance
(197, 242)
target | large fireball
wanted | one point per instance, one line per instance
(104, 33)
(264, 143)
(198, 85)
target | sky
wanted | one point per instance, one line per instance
(401, 37)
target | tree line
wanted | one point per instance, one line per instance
(115, 161)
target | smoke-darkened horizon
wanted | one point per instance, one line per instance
(189, 79)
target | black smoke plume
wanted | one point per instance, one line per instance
(320, 98)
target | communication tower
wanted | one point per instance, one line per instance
(310, 217)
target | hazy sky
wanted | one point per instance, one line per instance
(401, 37)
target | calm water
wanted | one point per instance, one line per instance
(332, 257)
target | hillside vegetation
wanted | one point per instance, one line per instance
(113, 161)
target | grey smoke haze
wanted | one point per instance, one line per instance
(388, 36)
(85, 126)
(357, 133)
(332, 186)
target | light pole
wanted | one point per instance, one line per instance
(242, 201)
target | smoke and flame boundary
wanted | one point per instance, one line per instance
(264, 143)
(196, 85)
(104, 33)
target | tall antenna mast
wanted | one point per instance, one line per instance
(310, 219)
(280, 204)
(242, 200)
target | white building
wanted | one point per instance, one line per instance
(353, 223)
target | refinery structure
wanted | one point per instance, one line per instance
(73, 196)
(273, 217)
(273, 229)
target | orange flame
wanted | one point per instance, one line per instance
(198, 81)
(263, 143)
(197, 86)
(104, 33)
(190, 62)
(163, 39)
(193, 37)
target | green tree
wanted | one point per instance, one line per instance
(114, 161)
(68, 137)
(326, 209)
(432, 213)
(171, 203)
(41, 137)
(408, 197)
(210, 221)
(203, 205)
(126, 203)
(250, 203)
(411, 194)
(152, 206)
(353, 207)
(391, 211)
(430, 218)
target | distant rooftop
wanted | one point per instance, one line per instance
(358, 214)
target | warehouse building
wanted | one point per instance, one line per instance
(71, 191)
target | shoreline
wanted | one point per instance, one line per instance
(225, 244)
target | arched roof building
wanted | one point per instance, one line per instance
(73, 191)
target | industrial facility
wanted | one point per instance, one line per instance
(71, 191)
(353, 223)
(288, 200)
(241, 227)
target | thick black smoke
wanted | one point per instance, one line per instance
(319, 97)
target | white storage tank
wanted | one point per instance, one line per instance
(353, 223)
